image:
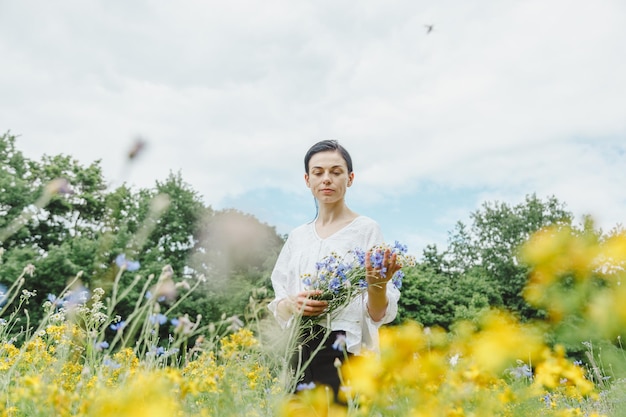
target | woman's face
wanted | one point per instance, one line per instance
(328, 176)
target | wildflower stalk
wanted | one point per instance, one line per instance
(158, 205)
(298, 338)
(27, 332)
(54, 187)
(113, 301)
(12, 293)
(183, 297)
(14, 289)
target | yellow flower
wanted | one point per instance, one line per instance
(501, 341)
(241, 341)
(70, 375)
(141, 395)
(317, 402)
(556, 371)
(363, 374)
(8, 354)
(202, 375)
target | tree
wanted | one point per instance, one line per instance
(16, 191)
(434, 298)
(61, 217)
(488, 247)
(427, 297)
(52, 213)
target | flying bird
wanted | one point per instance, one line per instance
(429, 28)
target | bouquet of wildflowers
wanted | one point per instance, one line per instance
(340, 279)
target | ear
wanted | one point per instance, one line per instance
(350, 178)
(306, 180)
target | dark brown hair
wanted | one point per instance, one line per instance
(327, 145)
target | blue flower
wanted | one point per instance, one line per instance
(148, 295)
(303, 386)
(522, 371)
(102, 345)
(111, 363)
(156, 350)
(129, 265)
(376, 259)
(340, 342)
(80, 296)
(3, 295)
(383, 272)
(397, 279)
(341, 270)
(158, 318)
(399, 247)
(359, 254)
(118, 326)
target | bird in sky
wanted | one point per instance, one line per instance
(429, 28)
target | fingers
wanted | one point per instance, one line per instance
(309, 306)
(389, 266)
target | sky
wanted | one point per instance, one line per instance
(500, 100)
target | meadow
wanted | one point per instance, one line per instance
(82, 360)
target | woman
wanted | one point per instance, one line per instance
(336, 228)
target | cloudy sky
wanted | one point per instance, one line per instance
(500, 100)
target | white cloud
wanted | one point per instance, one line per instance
(513, 97)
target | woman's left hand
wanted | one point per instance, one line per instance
(378, 277)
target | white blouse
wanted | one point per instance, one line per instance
(303, 249)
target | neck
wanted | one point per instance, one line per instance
(329, 214)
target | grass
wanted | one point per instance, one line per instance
(83, 360)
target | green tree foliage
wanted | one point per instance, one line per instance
(16, 191)
(495, 236)
(427, 297)
(43, 218)
(480, 267)
(434, 298)
(61, 217)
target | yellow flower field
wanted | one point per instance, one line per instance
(494, 366)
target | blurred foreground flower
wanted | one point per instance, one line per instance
(138, 146)
(145, 394)
(58, 186)
(165, 287)
(578, 274)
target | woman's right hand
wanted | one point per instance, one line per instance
(304, 304)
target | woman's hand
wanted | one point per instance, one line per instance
(378, 277)
(304, 304)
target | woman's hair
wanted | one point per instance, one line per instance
(327, 145)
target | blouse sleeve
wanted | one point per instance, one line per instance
(280, 281)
